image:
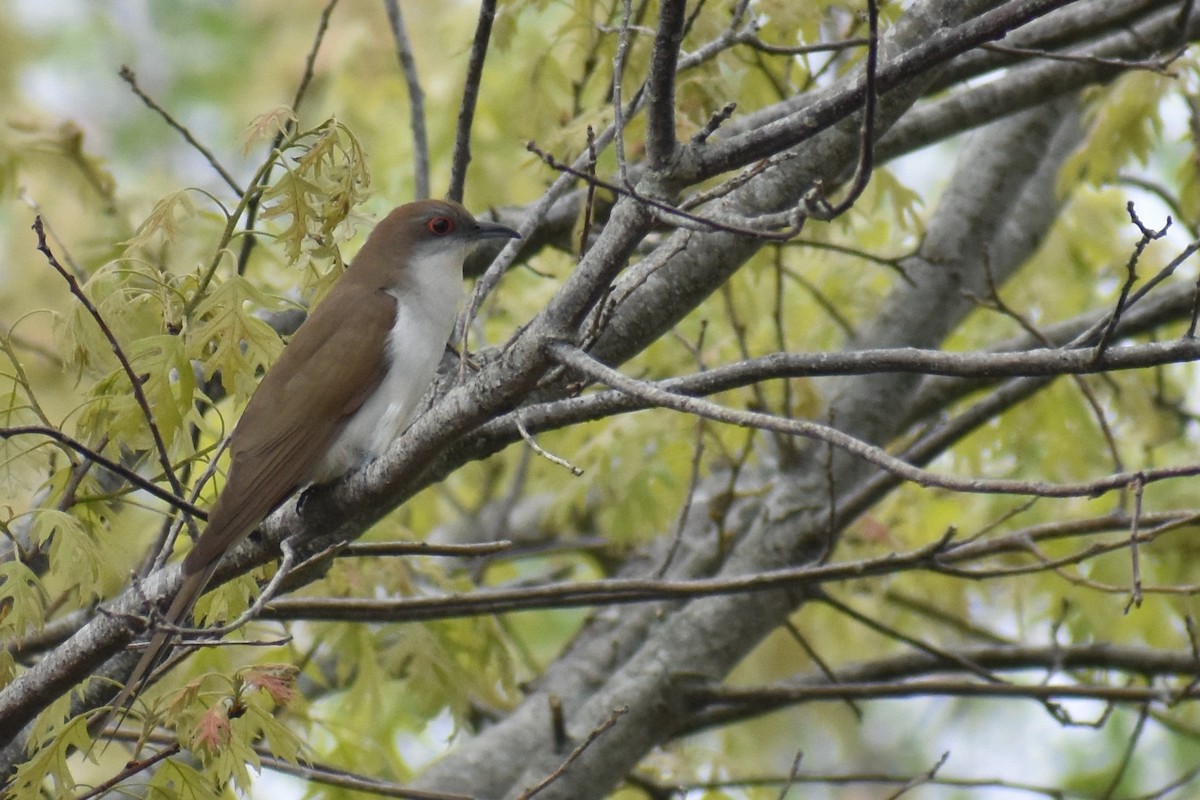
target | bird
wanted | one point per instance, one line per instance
(346, 386)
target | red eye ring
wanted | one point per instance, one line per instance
(440, 226)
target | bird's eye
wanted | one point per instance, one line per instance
(440, 226)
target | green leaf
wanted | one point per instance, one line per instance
(178, 780)
(161, 225)
(230, 340)
(170, 387)
(8, 664)
(22, 600)
(318, 191)
(48, 764)
(291, 197)
(71, 542)
(1124, 122)
(267, 126)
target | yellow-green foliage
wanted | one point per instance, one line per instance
(1123, 126)
(155, 238)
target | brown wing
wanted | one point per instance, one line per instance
(324, 375)
(290, 422)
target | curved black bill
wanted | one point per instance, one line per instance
(493, 230)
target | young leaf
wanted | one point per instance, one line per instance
(231, 340)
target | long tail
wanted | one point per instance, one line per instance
(156, 650)
(230, 520)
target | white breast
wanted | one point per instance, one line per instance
(426, 304)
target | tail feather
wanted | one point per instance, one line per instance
(227, 525)
(157, 649)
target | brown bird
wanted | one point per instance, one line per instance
(345, 387)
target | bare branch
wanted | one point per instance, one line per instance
(793, 220)
(135, 381)
(264, 174)
(572, 357)
(575, 754)
(416, 99)
(618, 94)
(129, 77)
(660, 84)
(1159, 65)
(115, 467)
(470, 96)
(742, 149)
(343, 779)
(817, 205)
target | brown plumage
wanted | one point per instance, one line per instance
(346, 385)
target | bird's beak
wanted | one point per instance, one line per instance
(493, 230)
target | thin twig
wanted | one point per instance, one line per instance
(535, 447)
(809, 120)
(1135, 561)
(77, 474)
(264, 174)
(115, 467)
(619, 59)
(998, 303)
(817, 206)
(404, 549)
(135, 383)
(831, 490)
(571, 356)
(1169, 199)
(715, 121)
(1194, 312)
(576, 753)
(10, 340)
(738, 180)
(333, 776)
(787, 694)
(64, 251)
(1123, 301)
(1127, 753)
(416, 99)
(1172, 785)
(589, 204)
(922, 647)
(133, 767)
(793, 773)
(162, 550)
(287, 560)
(130, 77)
(470, 96)
(1090, 334)
(491, 277)
(688, 789)
(822, 665)
(685, 511)
(1158, 65)
(750, 39)
(793, 219)
(925, 777)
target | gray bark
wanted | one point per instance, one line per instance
(643, 660)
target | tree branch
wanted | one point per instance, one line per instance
(416, 99)
(470, 96)
(660, 84)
